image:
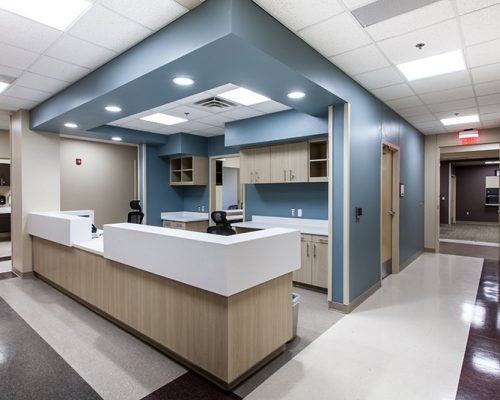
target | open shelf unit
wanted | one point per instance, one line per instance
(188, 170)
(318, 160)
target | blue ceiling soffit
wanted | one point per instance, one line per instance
(221, 41)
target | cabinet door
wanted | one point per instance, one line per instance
(280, 163)
(246, 166)
(303, 275)
(298, 162)
(262, 164)
(319, 273)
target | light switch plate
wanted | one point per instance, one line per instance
(299, 212)
(293, 212)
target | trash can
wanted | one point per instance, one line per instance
(295, 312)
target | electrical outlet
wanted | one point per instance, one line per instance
(299, 213)
(199, 208)
(202, 208)
(293, 212)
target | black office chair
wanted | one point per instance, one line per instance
(222, 227)
(233, 207)
(136, 215)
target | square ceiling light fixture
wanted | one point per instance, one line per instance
(5, 82)
(244, 96)
(163, 119)
(58, 14)
(460, 120)
(445, 63)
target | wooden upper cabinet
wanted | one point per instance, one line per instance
(289, 163)
(255, 165)
(246, 166)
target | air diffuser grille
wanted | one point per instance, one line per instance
(214, 102)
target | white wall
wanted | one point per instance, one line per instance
(230, 187)
(35, 183)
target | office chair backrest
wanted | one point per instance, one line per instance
(136, 215)
(222, 227)
(233, 207)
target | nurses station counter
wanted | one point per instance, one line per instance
(219, 304)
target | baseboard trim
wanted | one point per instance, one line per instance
(22, 274)
(411, 259)
(429, 250)
(347, 308)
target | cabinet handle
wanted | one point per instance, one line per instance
(284, 175)
(251, 177)
(315, 251)
(256, 176)
(307, 249)
(291, 176)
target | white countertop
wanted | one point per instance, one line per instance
(307, 226)
(95, 246)
(4, 210)
(184, 216)
(60, 228)
(225, 265)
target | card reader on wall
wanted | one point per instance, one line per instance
(359, 213)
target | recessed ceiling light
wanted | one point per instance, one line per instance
(244, 96)
(431, 66)
(296, 95)
(460, 120)
(183, 81)
(163, 119)
(58, 14)
(116, 138)
(71, 125)
(4, 86)
(492, 162)
(113, 109)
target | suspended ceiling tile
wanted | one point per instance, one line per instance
(393, 92)
(192, 112)
(441, 82)
(242, 113)
(335, 35)
(489, 117)
(466, 6)
(453, 105)
(486, 73)
(191, 126)
(39, 82)
(270, 107)
(483, 89)
(215, 120)
(429, 125)
(27, 93)
(411, 21)
(210, 132)
(80, 52)
(484, 53)
(354, 62)
(448, 95)
(380, 78)
(297, 15)
(15, 57)
(353, 4)
(422, 119)
(461, 113)
(405, 102)
(439, 38)
(166, 130)
(488, 100)
(10, 72)
(154, 14)
(14, 103)
(108, 29)
(57, 69)
(490, 108)
(142, 125)
(481, 26)
(26, 33)
(414, 111)
(491, 124)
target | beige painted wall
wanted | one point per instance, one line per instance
(4, 144)
(35, 183)
(433, 146)
(103, 183)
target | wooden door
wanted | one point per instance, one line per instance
(262, 164)
(319, 276)
(280, 163)
(298, 162)
(303, 275)
(387, 210)
(453, 199)
(246, 166)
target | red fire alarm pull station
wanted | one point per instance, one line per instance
(78, 161)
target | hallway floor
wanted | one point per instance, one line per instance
(407, 341)
(483, 233)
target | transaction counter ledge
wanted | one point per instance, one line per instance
(219, 304)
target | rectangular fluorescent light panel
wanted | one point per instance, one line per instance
(460, 120)
(3, 86)
(244, 96)
(163, 119)
(432, 66)
(492, 162)
(58, 14)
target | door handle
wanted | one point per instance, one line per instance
(393, 213)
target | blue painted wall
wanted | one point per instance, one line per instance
(278, 199)
(285, 125)
(160, 195)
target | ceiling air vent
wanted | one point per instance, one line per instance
(214, 102)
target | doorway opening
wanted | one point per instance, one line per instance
(389, 213)
(226, 190)
(5, 202)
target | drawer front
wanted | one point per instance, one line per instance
(320, 239)
(174, 225)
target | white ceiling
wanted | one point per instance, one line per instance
(202, 121)
(44, 60)
(370, 54)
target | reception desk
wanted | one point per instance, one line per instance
(220, 305)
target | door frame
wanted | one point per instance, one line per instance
(453, 198)
(395, 203)
(212, 180)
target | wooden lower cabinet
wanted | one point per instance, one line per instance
(197, 226)
(314, 264)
